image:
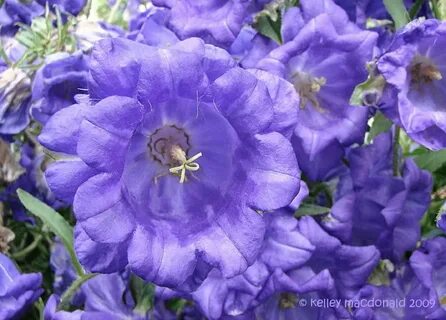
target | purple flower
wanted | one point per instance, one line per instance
(429, 268)
(323, 55)
(56, 84)
(107, 296)
(15, 11)
(333, 271)
(17, 291)
(173, 160)
(151, 28)
(68, 6)
(418, 288)
(64, 272)
(361, 10)
(250, 47)
(216, 22)
(284, 248)
(413, 69)
(101, 296)
(395, 298)
(298, 258)
(376, 208)
(51, 312)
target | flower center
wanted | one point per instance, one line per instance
(443, 300)
(424, 71)
(308, 87)
(169, 146)
(287, 300)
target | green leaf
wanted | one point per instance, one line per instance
(54, 221)
(269, 28)
(429, 220)
(439, 9)
(398, 12)
(176, 305)
(380, 124)
(430, 160)
(307, 209)
(143, 293)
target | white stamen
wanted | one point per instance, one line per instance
(187, 164)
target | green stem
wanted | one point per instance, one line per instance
(24, 252)
(396, 152)
(76, 264)
(69, 293)
(41, 307)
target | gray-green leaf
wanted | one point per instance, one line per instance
(380, 124)
(398, 12)
(307, 209)
(54, 221)
(431, 160)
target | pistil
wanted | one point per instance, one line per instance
(179, 156)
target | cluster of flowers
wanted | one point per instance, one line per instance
(224, 159)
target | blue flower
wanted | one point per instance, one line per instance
(17, 291)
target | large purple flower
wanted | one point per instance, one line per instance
(414, 71)
(428, 264)
(376, 208)
(334, 271)
(298, 258)
(324, 56)
(216, 22)
(174, 161)
(284, 248)
(56, 84)
(17, 291)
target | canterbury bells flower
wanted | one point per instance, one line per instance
(172, 161)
